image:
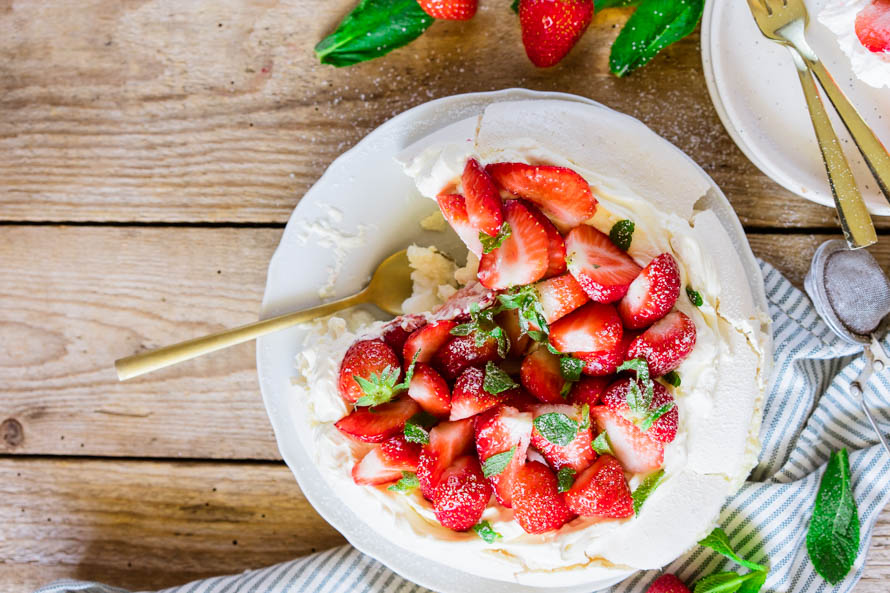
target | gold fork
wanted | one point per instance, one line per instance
(785, 21)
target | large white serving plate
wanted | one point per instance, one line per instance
(366, 188)
(755, 89)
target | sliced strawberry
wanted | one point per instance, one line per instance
(461, 352)
(601, 491)
(469, 398)
(450, 10)
(556, 252)
(588, 390)
(665, 428)
(427, 340)
(484, 205)
(363, 359)
(578, 454)
(537, 504)
(509, 320)
(462, 494)
(606, 362)
(520, 399)
(667, 583)
(541, 375)
(590, 328)
(603, 271)
(638, 453)
(559, 296)
(550, 28)
(386, 462)
(665, 344)
(498, 430)
(448, 441)
(396, 333)
(459, 304)
(454, 209)
(430, 390)
(873, 26)
(652, 294)
(523, 257)
(375, 425)
(560, 193)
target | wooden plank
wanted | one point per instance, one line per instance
(157, 110)
(147, 525)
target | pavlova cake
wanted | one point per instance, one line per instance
(579, 400)
(862, 29)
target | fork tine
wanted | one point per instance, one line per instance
(756, 6)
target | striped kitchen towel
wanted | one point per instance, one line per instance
(808, 414)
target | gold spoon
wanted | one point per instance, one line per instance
(389, 287)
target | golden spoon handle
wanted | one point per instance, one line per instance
(139, 364)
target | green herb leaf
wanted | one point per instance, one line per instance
(655, 415)
(531, 312)
(416, 434)
(585, 417)
(646, 487)
(673, 378)
(718, 541)
(721, 582)
(490, 243)
(603, 4)
(557, 428)
(378, 389)
(496, 380)
(833, 535)
(565, 477)
(622, 234)
(571, 367)
(652, 27)
(497, 463)
(484, 530)
(753, 582)
(406, 484)
(372, 29)
(694, 297)
(601, 444)
(464, 329)
(639, 400)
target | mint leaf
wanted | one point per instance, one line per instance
(416, 434)
(532, 321)
(672, 378)
(372, 29)
(646, 487)
(602, 4)
(601, 444)
(571, 367)
(483, 328)
(718, 541)
(622, 234)
(484, 530)
(833, 535)
(694, 297)
(585, 417)
(496, 380)
(652, 27)
(638, 400)
(653, 417)
(497, 463)
(557, 428)
(490, 243)
(565, 477)
(406, 484)
(753, 582)
(721, 582)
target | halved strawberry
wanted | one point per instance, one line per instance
(873, 26)
(559, 296)
(652, 294)
(588, 390)
(363, 359)
(386, 462)
(637, 452)
(591, 328)
(601, 491)
(509, 321)
(603, 271)
(469, 398)
(560, 193)
(375, 425)
(520, 399)
(427, 340)
(451, 10)
(462, 494)
(550, 28)
(541, 375)
(430, 390)
(665, 344)
(556, 252)
(498, 430)
(448, 441)
(578, 454)
(484, 206)
(606, 362)
(461, 352)
(665, 428)
(537, 504)
(396, 333)
(667, 583)
(454, 209)
(523, 257)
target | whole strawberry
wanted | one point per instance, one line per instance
(667, 583)
(550, 28)
(451, 10)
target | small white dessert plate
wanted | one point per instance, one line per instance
(361, 210)
(755, 89)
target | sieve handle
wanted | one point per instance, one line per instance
(857, 388)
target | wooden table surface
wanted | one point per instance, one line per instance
(150, 154)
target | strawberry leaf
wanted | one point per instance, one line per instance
(557, 428)
(408, 482)
(490, 243)
(565, 477)
(497, 463)
(484, 530)
(622, 234)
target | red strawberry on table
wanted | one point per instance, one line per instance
(667, 583)
(427, 340)
(577, 454)
(550, 28)
(430, 390)
(873, 26)
(375, 425)
(591, 328)
(559, 296)
(652, 294)
(556, 253)
(637, 452)
(499, 430)
(560, 193)
(451, 10)
(469, 397)
(462, 494)
(664, 429)
(602, 269)
(386, 462)
(523, 257)
(665, 344)
(364, 359)
(484, 206)
(448, 441)
(537, 504)
(454, 210)
(460, 352)
(540, 374)
(601, 491)
(588, 390)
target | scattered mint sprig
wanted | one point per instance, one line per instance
(694, 297)
(490, 243)
(483, 328)
(497, 463)
(638, 400)
(622, 234)
(496, 380)
(565, 477)
(672, 378)
(833, 535)
(417, 428)
(408, 483)
(646, 487)
(730, 582)
(532, 321)
(485, 531)
(557, 428)
(601, 444)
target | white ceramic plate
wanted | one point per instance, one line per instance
(366, 188)
(755, 89)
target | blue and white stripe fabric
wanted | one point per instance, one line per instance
(808, 414)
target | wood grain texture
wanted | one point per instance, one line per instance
(159, 110)
(147, 525)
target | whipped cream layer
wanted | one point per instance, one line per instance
(723, 380)
(839, 17)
